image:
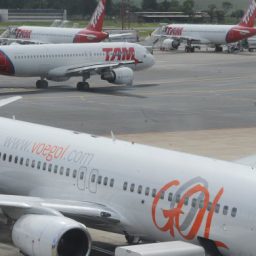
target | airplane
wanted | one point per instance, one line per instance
(114, 62)
(56, 35)
(213, 35)
(55, 183)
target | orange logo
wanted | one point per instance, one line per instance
(191, 224)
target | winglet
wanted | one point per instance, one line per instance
(9, 100)
(97, 20)
(249, 16)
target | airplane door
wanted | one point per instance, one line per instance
(81, 178)
(93, 181)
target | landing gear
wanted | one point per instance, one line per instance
(189, 48)
(132, 239)
(218, 48)
(82, 86)
(42, 84)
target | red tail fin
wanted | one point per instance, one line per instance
(97, 20)
(249, 16)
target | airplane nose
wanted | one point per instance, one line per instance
(151, 59)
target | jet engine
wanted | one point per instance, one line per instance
(170, 44)
(122, 75)
(41, 235)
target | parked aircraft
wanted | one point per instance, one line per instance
(114, 62)
(214, 35)
(56, 35)
(54, 181)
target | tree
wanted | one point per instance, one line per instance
(149, 5)
(238, 14)
(227, 6)
(165, 6)
(220, 15)
(175, 6)
(188, 7)
(212, 11)
(109, 7)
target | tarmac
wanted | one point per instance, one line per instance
(202, 103)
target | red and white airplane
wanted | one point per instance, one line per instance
(54, 181)
(114, 62)
(214, 35)
(42, 35)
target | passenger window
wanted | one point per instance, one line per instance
(177, 199)
(61, 170)
(225, 210)
(125, 186)
(201, 204)
(93, 178)
(16, 160)
(10, 158)
(105, 181)
(234, 212)
(56, 169)
(154, 192)
(170, 197)
(39, 165)
(68, 172)
(147, 191)
(27, 162)
(74, 174)
(50, 168)
(81, 176)
(162, 195)
(209, 207)
(33, 164)
(140, 189)
(112, 181)
(194, 202)
(99, 180)
(217, 208)
(132, 187)
(4, 157)
(44, 166)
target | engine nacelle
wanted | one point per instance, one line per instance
(43, 235)
(170, 44)
(119, 76)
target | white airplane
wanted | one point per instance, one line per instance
(56, 35)
(213, 35)
(114, 62)
(54, 181)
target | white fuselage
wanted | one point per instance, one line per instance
(39, 60)
(209, 34)
(45, 34)
(52, 163)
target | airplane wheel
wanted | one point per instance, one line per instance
(132, 239)
(81, 86)
(42, 84)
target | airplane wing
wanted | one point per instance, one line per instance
(20, 41)
(112, 36)
(91, 69)
(16, 206)
(249, 161)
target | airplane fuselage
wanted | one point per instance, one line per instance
(160, 195)
(210, 34)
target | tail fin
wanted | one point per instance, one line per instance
(97, 20)
(249, 16)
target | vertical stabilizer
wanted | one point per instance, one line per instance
(97, 20)
(249, 16)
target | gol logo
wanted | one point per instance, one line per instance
(191, 224)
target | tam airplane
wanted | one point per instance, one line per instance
(54, 183)
(42, 35)
(214, 35)
(114, 62)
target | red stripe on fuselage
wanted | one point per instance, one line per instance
(88, 36)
